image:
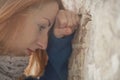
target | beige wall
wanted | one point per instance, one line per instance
(96, 54)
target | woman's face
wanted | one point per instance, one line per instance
(37, 25)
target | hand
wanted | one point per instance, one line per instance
(66, 23)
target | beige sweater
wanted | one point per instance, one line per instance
(12, 67)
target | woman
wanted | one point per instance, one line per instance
(24, 27)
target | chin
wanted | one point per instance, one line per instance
(15, 52)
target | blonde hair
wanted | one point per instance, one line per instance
(11, 16)
(10, 7)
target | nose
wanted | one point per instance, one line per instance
(42, 45)
(42, 42)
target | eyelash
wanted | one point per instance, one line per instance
(41, 27)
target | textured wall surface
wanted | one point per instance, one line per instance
(96, 46)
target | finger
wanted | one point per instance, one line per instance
(61, 18)
(63, 32)
(73, 22)
(67, 31)
(69, 19)
(73, 17)
(59, 32)
(76, 21)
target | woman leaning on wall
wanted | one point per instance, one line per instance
(24, 27)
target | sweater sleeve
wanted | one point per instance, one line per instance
(59, 49)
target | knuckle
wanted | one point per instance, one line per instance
(61, 11)
(63, 21)
(70, 32)
(70, 25)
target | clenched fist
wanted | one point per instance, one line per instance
(66, 23)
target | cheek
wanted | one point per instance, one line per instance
(25, 39)
(45, 32)
(43, 36)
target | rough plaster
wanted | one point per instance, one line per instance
(96, 53)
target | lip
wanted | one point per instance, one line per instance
(29, 51)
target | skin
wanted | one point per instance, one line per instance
(35, 31)
(38, 23)
(66, 23)
(44, 19)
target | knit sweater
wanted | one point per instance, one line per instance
(59, 51)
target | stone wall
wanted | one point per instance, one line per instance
(96, 53)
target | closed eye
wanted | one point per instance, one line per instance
(41, 27)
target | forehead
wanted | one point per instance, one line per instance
(48, 10)
(36, 19)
